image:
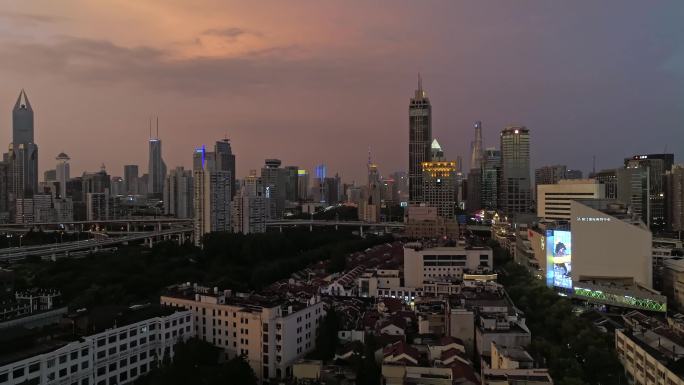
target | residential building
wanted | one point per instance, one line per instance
(249, 207)
(179, 193)
(211, 202)
(131, 179)
(269, 332)
(274, 179)
(673, 187)
(423, 222)
(225, 160)
(100, 346)
(491, 179)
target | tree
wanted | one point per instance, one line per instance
(326, 340)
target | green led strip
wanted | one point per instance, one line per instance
(639, 303)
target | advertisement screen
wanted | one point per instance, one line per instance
(559, 259)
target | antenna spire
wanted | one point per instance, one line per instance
(150, 126)
(420, 82)
(157, 126)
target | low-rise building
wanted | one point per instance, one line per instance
(103, 346)
(423, 264)
(270, 332)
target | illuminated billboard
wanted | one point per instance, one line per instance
(559, 259)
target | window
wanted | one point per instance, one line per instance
(73, 369)
(101, 370)
(101, 342)
(84, 381)
(84, 365)
(112, 367)
(84, 352)
(123, 363)
(134, 372)
(4, 377)
(134, 332)
(62, 359)
(133, 359)
(34, 367)
(62, 373)
(112, 351)
(123, 347)
(123, 335)
(123, 376)
(143, 368)
(112, 339)
(18, 372)
(143, 355)
(143, 340)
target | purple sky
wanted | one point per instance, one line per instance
(320, 81)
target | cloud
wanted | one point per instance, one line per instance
(230, 33)
(32, 18)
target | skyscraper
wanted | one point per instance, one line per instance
(673, 185)
(178, 193)
(516, 189)
(275, 179)
(211, 202)
(131, 179)
(474, 178)
(62, 172)
(476, 148)
(657, 165)
(248, 209)
(420, 138)
(439, 183)
(225, 160)
(302, 185)
(156, 166)
(23, 152)
(491, 179)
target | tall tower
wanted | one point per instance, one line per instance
(62, 172)
(225, 160)
(439, 183)
(476, 148)
(157, 168)
(23, 152)
(420, 138)
(516, 189)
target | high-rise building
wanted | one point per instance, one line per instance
(673, 186)
(225, 160)
(302, 185)
(371, 204)
(476, 148)
(131, 179)
(50, 176)
(516, 189)
(632, 189)
(23, 151)
(491, 179)
(4, 202)
(609, 179)
(117, 186)
(401, 183)
(178, 193)
(156, 167)
(318, 188)
(275, 180)
(550, 174)
(248, 208)
(97, 206)
(62, 172)
(420, 139)
(553, 200)
(211, 202)
(439, 183)
(657, 165)
(291, 180)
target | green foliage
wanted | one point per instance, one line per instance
(338, 262)
(572, 348)
(326, 339)
(368, 371)
(231, 261)
(198, 362)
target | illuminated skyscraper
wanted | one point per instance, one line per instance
(23, 152)
(420, 138)
(474, 178)
(439, 183)
(516, 189)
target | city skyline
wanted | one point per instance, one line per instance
(242, 75)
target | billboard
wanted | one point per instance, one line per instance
(559, 259)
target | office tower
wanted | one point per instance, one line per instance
(62, 172)
(476, 148)
(553, 200)
(211, 202)
(302, 185)
(550, 174)
(96, 182)
(131, 179)
(673, 186)
(291, 180)
(657, 165)
(97, 206)
(491, 178)
(369, 210)
(516, 189)
(203, 159)
(274, 179)
(143, 184)
(573, 174)
(156, 167)
(178, 193)
(632, 189)
(64, 209)
(319, 183)
(420, 138)
(389, 191)
(225, 160)
(23, 152)
(439, 183)
(332, 189)
(117, 186)
(248, 209)
(609, 179)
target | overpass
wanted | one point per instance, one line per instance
(101, 241)
(388, 226)
(121, 225)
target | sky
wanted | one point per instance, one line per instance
(310, 81)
